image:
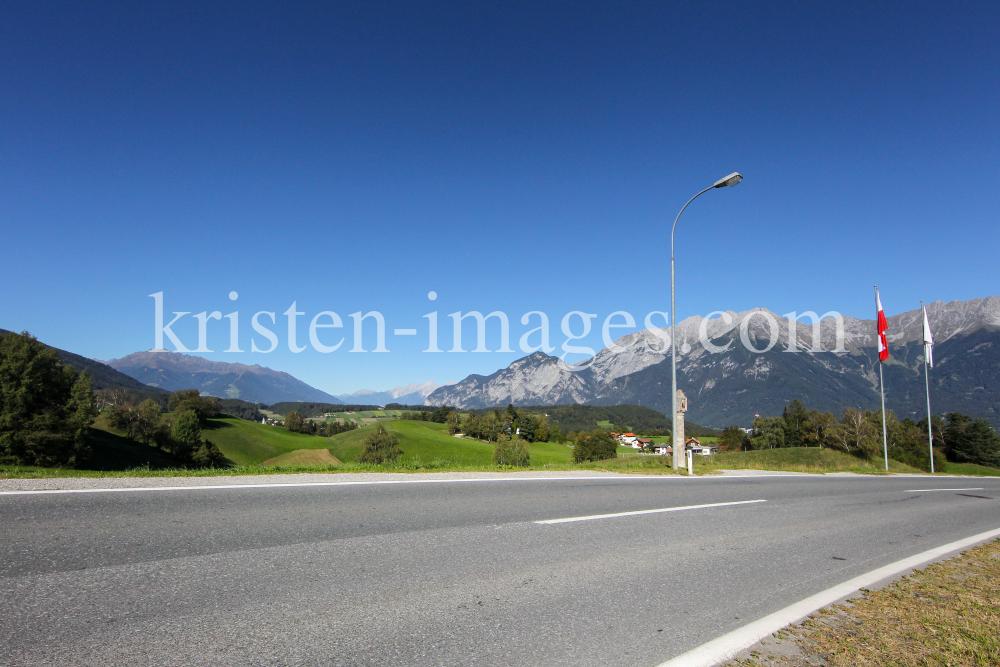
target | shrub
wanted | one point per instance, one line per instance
(209, 456)
(595, 446)
(186, 435)
(511, 451)
(380, 447)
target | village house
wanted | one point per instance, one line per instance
(628, 439)
(695, 447)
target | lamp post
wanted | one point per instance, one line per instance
(729, 181)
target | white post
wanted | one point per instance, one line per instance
(690, 458)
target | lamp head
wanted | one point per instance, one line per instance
(730, 180)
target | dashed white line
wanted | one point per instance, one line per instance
(978, 488)
(593, 517)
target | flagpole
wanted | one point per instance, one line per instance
(927, 384)
(881, 382)
(885, 433)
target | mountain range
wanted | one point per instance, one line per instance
(414, 393)
(727, 383)
(256, 384)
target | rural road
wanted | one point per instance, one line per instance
(444, 573)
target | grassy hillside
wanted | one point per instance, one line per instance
(970, 469)
(110, 451)
(304, 457)
(426, 441)
(246, 442)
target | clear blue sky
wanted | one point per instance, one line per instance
(510, 156)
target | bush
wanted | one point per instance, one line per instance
(380, 447)
(511, 452)
(209, 456)
(186, 435)
(920, 458)
(597, 445)
(205, 407)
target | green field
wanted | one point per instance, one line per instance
(246, 442)
(304, 457)
(427, 441)
(358, 416)
(368, 414)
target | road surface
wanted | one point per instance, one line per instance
(446, 573)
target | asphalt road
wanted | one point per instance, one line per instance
(445, 573)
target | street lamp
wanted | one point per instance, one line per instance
(729, 181)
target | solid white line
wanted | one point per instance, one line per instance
(728, 645)
(636, 513)
(280, 485)
(672, 478)
(978, 488)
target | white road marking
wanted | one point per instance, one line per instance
(672, 478)
(280, 485)
(978, 488)
(728, 645)
(638, 512)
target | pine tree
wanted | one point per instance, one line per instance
(45, 408)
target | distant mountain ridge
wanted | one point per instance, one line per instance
(412, 394)
(729, 387)
(256, 384)
(102, 376)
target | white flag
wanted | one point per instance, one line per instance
(928, 341)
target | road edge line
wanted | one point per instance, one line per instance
(730, 644)
(280, 485)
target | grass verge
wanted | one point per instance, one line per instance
(796, 459)
(945, 614)
(971, 469)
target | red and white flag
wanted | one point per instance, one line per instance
(883, 326)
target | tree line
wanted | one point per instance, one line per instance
(296, 423)
(315, 409)
(624, 418)
(957, 437)
(47, 409)
(179, 434)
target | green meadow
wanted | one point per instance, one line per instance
(427, 441)
(256, 448)
(248, 443)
